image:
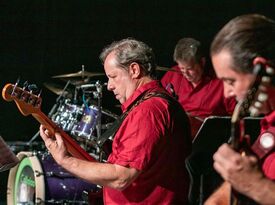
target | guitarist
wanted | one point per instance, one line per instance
(146, 165)
(243, 44)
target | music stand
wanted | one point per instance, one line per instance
(7, 158)
(214, 131)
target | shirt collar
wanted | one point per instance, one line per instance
(142, 89)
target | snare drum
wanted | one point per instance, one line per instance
(37, 179)
(67, 115)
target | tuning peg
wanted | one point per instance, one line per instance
(32, 88)
(39, 93)
(15, 85)
(17, 81)
(25, 85)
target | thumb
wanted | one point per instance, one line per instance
(59, 139)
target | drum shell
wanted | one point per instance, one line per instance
(52, 183)
(87, 124)
(67, 115)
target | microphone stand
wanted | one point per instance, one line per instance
(58, 101)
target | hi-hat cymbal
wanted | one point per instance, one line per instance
(79, 74)
(55, 89)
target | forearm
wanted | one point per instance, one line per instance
(103, 174)
(220, 196)
(263, 192)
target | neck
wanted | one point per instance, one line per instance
(195, 84)
(144, 80)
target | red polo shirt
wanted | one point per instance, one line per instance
(155, 139)
(206, 99)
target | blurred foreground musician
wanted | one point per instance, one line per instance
(146, 165)
(244, 45)
(195, 85)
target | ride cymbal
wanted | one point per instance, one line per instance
(79, 74)
(55, 89)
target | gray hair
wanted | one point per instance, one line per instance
(188, 49)
(130, 50)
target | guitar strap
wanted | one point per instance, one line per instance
(110, 133)
(265, 143)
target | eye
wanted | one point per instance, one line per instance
(111, 76)
(229, 81)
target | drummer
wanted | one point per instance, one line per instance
(146, 165)
(195, 85)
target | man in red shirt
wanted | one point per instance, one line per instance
(149, 149)
(243, 52)
(195, 86)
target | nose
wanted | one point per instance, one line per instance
(183, 71)
(110, 87)
(228, 91)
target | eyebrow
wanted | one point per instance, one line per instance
(226, 78)
(187, 67)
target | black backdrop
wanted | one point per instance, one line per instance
(39, 39)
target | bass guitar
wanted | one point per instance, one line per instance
(30, 104)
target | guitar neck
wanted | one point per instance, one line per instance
(73, 148)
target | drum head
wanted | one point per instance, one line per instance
(38, 179)
(22, 181)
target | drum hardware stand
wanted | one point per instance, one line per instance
(99, 102)
(98, 95)
(75, 101)
(58, 101)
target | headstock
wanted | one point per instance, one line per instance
(266, 80)
(253, 104)
(25, 98)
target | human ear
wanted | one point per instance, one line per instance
(203, 61)
(259, 60)
(134, 70)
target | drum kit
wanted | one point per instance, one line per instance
(37, 179)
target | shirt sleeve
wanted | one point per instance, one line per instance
(165, 79)
(140, 138)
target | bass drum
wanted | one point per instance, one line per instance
(37, 179)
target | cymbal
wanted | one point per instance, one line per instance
(77, 82)
(80, 74)
(160, 68)
(55, 89)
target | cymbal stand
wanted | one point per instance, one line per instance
(58, 101)
(98, 94)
